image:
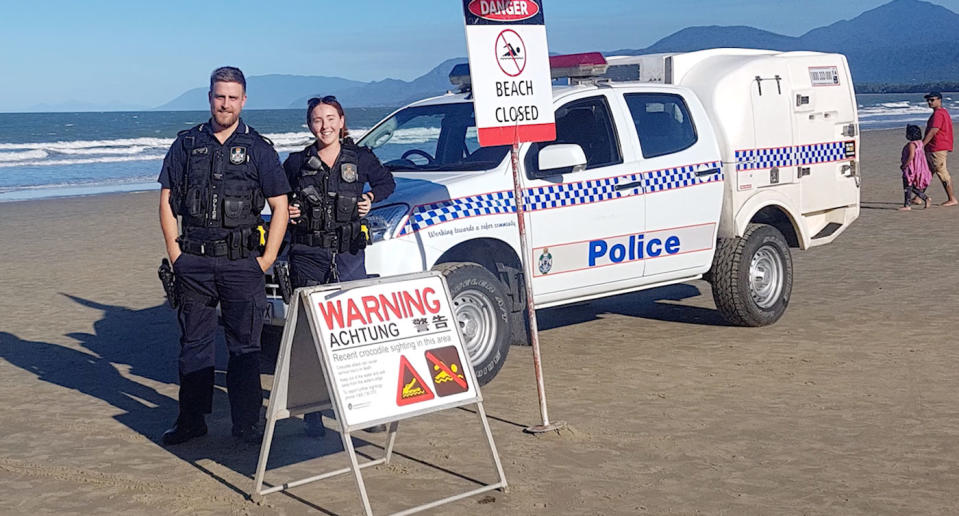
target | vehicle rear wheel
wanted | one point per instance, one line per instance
(752, 276)
(481, 310)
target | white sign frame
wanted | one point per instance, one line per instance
(303, 338)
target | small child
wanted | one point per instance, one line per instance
(915, 170)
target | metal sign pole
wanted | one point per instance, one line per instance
(546, 426)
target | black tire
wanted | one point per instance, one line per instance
(481, 308)
(752, 276)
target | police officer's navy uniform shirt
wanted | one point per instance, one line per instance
(266, 170)
(369, 170)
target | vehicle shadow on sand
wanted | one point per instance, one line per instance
(880, 205)
(144, 342)
(656, 304)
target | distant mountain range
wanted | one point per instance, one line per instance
(903, 42)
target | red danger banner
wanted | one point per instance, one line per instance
(524, 133)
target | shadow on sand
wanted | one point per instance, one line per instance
(144, 342)
(646, 304)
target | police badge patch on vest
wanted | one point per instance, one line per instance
(238, 155)
(348, 172)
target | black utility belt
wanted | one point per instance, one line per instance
(327, 239)
(344, 239)
(235, 247)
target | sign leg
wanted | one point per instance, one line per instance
(492, 446)
(264, 456)
(277, 391)
(390, 440)
(355, 466)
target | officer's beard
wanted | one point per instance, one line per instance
(225, 118)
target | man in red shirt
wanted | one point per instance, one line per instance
(938, 142)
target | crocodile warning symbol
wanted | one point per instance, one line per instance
(447, 371)
(411, 388)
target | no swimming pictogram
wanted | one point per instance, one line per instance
(447, 371)
(410, 388)
(510, 53)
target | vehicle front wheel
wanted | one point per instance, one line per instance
(481, 308)
(752, 276)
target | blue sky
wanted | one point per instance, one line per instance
(144, 53)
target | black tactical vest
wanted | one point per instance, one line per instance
(328, 198)
(218, 191)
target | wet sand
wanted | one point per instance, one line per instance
(846, 406)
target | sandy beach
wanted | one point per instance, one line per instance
(846, 406)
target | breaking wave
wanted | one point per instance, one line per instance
(80, 152)
(880, 114)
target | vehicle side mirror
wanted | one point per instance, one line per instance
(561, 158)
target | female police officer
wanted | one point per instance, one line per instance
(328, 178)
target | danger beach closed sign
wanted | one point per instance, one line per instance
(509, 71)
(392, 349)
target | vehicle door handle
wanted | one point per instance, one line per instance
(701, 173)
(629, 186)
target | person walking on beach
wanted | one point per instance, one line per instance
(215, 177)
(328, 179)
(915, 169)
(938, 143)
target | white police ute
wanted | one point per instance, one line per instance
(666, 168)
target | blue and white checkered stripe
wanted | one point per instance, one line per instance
(821, 153)
(758, 159)
(572, 194)
(680, 177)
(428, 215)
(558, 196)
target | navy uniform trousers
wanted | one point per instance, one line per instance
(311, 266)
(238, 287)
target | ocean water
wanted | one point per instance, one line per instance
(66, 154)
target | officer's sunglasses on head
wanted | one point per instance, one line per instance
(329, 99)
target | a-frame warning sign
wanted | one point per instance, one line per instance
(411, 388)
(325, 361)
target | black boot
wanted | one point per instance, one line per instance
(196, 399)
(185, 428)
(246, 396)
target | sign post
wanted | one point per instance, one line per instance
(374, 351)
(513, 103)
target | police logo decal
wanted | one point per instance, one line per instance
(545, 262)
(348, 172)
(238, 155)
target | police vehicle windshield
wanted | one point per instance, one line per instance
(439, 137)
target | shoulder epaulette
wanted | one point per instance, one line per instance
(197, 128)
(254, 132)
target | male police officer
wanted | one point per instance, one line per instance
(215, 177)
